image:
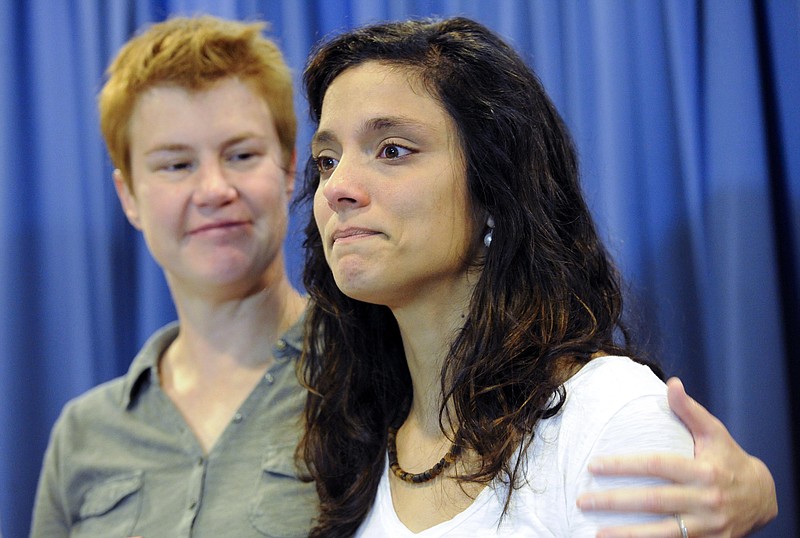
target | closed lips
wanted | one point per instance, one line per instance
(352, 232)
(218, 225)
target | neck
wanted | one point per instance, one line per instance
(427, 335)
(218, 335)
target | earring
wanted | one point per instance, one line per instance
(487, 239)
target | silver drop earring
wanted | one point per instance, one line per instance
(487, 239)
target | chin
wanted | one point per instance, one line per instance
(355, 288)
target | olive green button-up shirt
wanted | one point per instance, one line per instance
(123, 462)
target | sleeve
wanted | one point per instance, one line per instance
(50, 512)
(644, 424)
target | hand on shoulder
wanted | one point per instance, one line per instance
(722, 492)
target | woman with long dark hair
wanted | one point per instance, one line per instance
(467, 356)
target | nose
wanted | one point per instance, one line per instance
(343, 189)
(214, 187)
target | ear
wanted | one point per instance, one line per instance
(291, 174)
(127, 199)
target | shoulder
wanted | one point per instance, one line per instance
(97, 405)
(109, 401)
(611, 382)
(615, 405)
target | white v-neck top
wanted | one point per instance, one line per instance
(613, 406)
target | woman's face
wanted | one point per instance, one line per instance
(391, 206)
(210, 188)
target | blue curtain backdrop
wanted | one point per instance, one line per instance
(686, 115)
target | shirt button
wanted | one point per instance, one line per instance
(280, 345)
(200, 462)
(192, 505)
(270, 379)
(237, 417)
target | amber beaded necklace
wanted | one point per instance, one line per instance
(424, 476)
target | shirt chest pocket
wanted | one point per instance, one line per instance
(111, 507)
(283, 505)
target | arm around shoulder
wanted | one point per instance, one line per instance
(720, 492)
(616, 408)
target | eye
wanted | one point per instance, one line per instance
(242, 156)
(177, 166)
(326, 164)
(393, 151)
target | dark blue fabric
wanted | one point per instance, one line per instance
(687, 119)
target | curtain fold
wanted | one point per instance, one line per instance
(686, 115)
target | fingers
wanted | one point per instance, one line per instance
(723, 491)
(700, 422)
(655, 500)
(671, 467)
(698, 518)
(664, 528)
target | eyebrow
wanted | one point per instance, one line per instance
(177, 148)
(379, 124)
(167, 148)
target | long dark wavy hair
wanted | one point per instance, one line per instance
(548, 294)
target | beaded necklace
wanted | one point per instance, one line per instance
(424, 476)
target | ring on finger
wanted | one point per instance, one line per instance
(682, 526)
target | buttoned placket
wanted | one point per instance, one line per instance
(194, 494)
(196, 481)
(279, 352)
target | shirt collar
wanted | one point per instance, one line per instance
(144, 368)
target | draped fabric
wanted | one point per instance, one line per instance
(686, 115)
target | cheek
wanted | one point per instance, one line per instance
(453, 224)
(156, 207)
(322, 211)
(322, 214)
(274, 201)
